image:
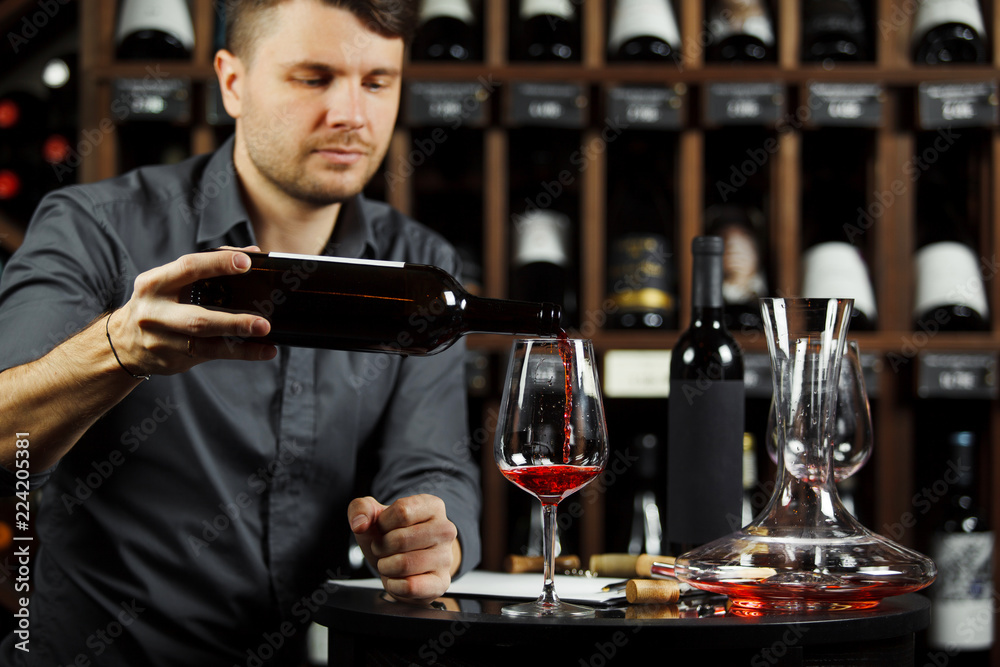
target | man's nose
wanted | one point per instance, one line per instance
(346, 108)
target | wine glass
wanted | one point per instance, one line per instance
(852, 430)
(551, 440)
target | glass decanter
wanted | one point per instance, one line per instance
(804, 550)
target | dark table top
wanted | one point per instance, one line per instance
(373, 614)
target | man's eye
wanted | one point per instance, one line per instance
(312, 82)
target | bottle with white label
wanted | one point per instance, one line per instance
(962, 548)
(740, 31)
(949, 294)
(835, 244)
(365, 305)
(154, 30)
(447, 31)
(947, 32)
(643, 30)
(548, 30)
(540, 257)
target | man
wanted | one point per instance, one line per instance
(188, 519)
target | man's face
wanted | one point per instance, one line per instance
(319, 101)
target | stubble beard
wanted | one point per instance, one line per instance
(289, 172)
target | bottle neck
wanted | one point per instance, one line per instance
(483, 315)
(706, 292)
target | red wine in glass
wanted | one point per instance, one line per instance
(551, 483)
(551, 440)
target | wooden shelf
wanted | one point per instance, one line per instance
(893, 145)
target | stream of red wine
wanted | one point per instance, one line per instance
(565, 352)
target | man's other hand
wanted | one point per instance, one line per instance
(411, 543)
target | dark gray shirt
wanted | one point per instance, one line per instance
(202, 514)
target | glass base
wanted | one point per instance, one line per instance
(785, 573)
(547, 609)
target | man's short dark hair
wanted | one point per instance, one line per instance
(245, 19)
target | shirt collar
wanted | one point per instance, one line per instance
(223, 219)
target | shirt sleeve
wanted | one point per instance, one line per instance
(65, 274)
(426, 446)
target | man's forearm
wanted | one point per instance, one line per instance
(58, 397)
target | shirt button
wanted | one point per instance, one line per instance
(296, 388)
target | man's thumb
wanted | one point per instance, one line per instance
(362, 513)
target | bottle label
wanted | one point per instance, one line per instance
(836, 270)
(170, 16)
(541, 236)
(638, 273)
(637, 18)
(932, 13)
(705, 459)
(337, 260)
(457, 9)
(736, 17)
(560, 8)
(948, 273)
(962, 615)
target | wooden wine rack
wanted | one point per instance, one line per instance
(891, 245)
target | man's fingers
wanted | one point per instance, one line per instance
(420, 589)
(191, 320)
(196, 266)
(410, 511)
(411, 563)
(414, 538)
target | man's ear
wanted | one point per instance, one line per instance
(230, 71)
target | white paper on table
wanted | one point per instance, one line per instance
(480, 583)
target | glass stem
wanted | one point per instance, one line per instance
(549, 596)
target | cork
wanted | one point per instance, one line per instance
(639, 612)
(613, 565)
(652, 591)
(644, 564)
(515, 564)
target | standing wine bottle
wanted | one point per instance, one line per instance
(833, 30)
(962, 549)
(540, 258)
(447, 31)
(154, 30)
(834, 189)
(741, 31)
(643, 30)
(949, 294)
(705, 414)
(743, 263)
(365, 305)
(640, 215)
(549, 30)
(948, 31)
